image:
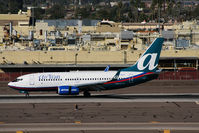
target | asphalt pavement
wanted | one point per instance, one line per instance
(153, 107)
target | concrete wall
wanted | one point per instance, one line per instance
(180, 53)
(83, 57)
(60, 57)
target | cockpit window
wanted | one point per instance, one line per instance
(17, 80)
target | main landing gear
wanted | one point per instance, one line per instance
(25, 92)
(87, 94)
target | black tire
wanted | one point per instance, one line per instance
(27, 94)
(87, 94)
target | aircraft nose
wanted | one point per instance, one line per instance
(10, 84)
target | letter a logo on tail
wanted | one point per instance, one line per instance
(151, 63)
(148, 62)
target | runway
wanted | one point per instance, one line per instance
(95, 98)
(94, 112)
(154, 86)
(152, 108)
(85, 127)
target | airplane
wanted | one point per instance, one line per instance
(72, 83)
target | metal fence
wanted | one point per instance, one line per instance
(165, 75)
(9, 76)
(179, 75)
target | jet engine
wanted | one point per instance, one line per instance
(68, 90)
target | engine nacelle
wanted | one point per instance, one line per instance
(68, 90)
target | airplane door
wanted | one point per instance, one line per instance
(31, 80)
(130, 79)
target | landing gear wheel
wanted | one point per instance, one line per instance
(87, 94)
(27, 94)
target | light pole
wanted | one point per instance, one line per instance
(76, 58)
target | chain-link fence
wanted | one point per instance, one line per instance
(9, 76)
(179, 75)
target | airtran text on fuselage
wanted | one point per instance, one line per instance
(49, 77)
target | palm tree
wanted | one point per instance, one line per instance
(120, 5)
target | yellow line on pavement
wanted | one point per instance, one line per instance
(167, 131)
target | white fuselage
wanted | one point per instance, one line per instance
(77, 78)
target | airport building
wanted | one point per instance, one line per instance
(81, 44)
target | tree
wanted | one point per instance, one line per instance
(83, 12)
(3, 7)
(15, 5)
(56, 12)
(119, 10)
(102, 14)
(39, 13)
(195, 13)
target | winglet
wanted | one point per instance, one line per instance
(107, 68)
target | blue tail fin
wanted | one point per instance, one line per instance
(148, 62)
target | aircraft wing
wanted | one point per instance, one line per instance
(98, 86)
(92, 87)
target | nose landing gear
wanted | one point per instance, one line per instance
(25, 92)
(87, 94)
